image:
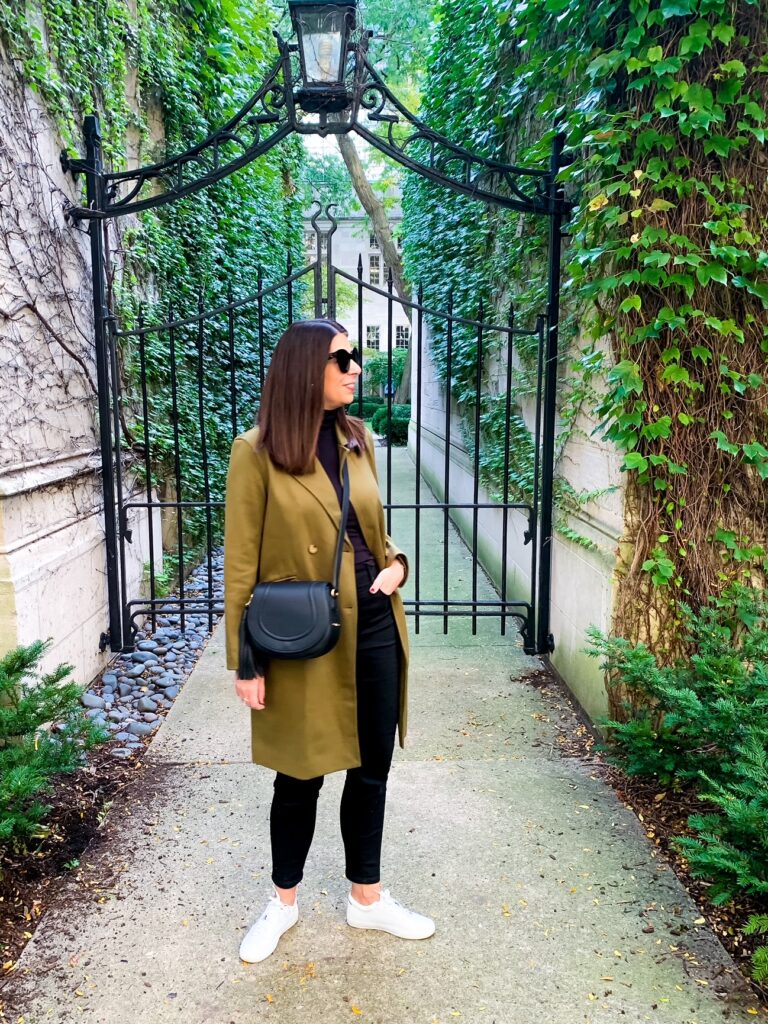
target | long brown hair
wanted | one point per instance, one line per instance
(292, 405)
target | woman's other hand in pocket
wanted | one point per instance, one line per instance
(389, 579)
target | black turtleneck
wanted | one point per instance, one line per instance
(328, 454)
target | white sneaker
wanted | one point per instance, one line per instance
(263, 936)
(387, 915)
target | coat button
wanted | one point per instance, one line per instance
(312, 549)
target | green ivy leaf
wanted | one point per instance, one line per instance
(631, 302)
(677, 8)
(635, 461)
(712, 272)
(723, 444)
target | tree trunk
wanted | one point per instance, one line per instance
(380, 224)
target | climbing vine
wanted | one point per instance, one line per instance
(664, 108)
(162, 75)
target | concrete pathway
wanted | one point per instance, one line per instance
(542, 884)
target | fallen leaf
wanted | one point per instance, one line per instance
(700, 920)
(269, 997)
(357, 1010)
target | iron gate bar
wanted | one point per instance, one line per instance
(417, 517)
(390, 398)
(544, 639)
(177, 455)
(204, 450)
(147, 453)
(476, 475)
(231, 352)
(505, 492)
(447, 441)
(533, 522)
(95, 199)
(123, 532)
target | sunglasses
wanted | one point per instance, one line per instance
(344, 357)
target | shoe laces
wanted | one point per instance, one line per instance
(274, 906)
(387, 897)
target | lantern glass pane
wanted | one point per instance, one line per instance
(322, 38)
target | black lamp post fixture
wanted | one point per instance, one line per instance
(323, 29)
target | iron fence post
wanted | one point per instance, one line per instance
(544, 639)
(92, 168)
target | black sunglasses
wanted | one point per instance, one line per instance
(344, 357)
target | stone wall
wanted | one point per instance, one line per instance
(52, 551)
(582, 577)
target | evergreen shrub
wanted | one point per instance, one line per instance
(397, 432)
(703, 722)
(31, 752)
(370, 406)
(686, 720)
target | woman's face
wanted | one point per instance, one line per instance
(339, 388)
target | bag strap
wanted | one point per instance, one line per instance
(342, 528)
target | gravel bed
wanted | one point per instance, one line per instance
(136, 691)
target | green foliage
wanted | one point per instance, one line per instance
(326, 178)
(370, 406)
(396, 430)
(664, 109)
(376, 369)
(31, 753)
(195, 65)
(758, 925)
(731, 848)
(685, 719)
(704, 722)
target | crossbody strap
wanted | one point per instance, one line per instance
(342, 527)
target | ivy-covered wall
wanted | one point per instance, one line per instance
(664, 108)
(161, 75)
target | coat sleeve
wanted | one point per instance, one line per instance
(244, 508)
(392, 551)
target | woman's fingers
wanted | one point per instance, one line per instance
(252, 692)
(385, 582)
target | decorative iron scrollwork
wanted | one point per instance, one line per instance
(375, 114)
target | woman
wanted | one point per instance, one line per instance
(339, 711)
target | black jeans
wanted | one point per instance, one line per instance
(294, 803)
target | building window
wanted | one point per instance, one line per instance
(402, 336)
(374, 269)
(373, 336)
(309, 241)
(323, 243)
(373, 242)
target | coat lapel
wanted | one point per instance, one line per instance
(320, 487)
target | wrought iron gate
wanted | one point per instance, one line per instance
(209, 337)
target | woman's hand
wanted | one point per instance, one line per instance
(251, 692)
(389, 579)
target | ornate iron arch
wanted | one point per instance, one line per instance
(273, 113)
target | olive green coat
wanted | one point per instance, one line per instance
(280, 526)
